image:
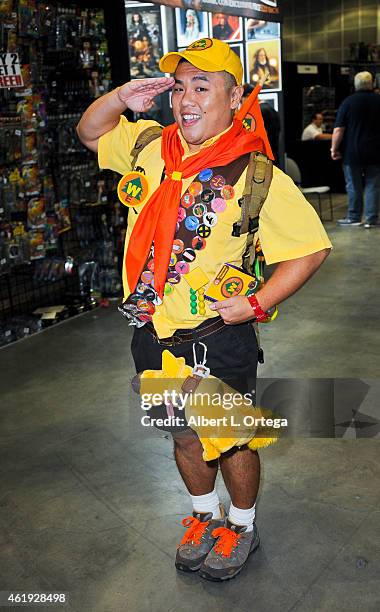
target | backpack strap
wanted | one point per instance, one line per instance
(257, 183)
(146, 137)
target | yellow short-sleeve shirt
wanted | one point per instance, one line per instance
(289, 226)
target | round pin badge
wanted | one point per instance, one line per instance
(204, 231)
(150, 295)
(181, 214)
(227, 192)
(199, 210)
(232, 286)
(150, 265)
(210, 219)
(191, 223)
(182, 267)
(200, 45)
(187, 200)
(178, 246)
(205, 175)
(168, 289)
(133, 189)
(217, 182)
(173, 260)
(145, 306)
(145, 317)
(195, 188)
(147, 277)
(188, 255)
(207, 195)
(249, 122)
(141, 288)
(198, 243)
(173, 277)
(134, 297)
(218, 205)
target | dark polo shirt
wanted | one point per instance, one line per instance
(360, 115)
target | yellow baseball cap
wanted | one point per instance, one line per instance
(208, 54)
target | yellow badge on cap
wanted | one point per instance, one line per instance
(133, 189)
(200, 45)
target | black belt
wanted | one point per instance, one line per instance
(188, 335)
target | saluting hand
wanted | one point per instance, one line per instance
(234, 310)
(138, 95)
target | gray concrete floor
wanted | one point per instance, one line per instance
(90, 508)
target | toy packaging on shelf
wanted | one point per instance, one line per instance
(58, 212)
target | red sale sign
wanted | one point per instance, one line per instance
(10, 70)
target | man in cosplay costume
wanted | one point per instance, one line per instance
(184, 195)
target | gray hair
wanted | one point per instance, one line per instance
(363, 80)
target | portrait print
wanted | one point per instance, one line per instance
(144, 40)
(264, 63)
(228, 28)
(191, 25)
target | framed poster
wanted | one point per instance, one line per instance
(264, 59)
(238, 48)
(228, 28)
(257, 29)
(270, 98)
(191, 25)
(145, 42)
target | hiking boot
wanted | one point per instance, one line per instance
(348, 222)
(230, 552)
(198, 539)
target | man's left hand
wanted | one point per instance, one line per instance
(234, 310)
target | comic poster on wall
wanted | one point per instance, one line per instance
(144, 39)
(259, 29)
(228, 28)
(264, 63)
(191, 25)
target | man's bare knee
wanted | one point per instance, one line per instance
(186, 441)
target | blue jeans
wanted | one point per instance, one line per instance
(362, 180)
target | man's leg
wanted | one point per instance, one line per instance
(241, 475)
(198, 475)
(354, 188)
(372, 193)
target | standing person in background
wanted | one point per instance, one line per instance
(356, 140)
(314, 131)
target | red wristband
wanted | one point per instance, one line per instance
(260, 315)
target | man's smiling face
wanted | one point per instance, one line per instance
(203, 104)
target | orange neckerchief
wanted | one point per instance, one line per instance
(157, 221)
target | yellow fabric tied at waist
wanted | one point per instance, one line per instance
(218, 429)
(176, 176)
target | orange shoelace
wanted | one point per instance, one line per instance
(195, 530)
(228, 539)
